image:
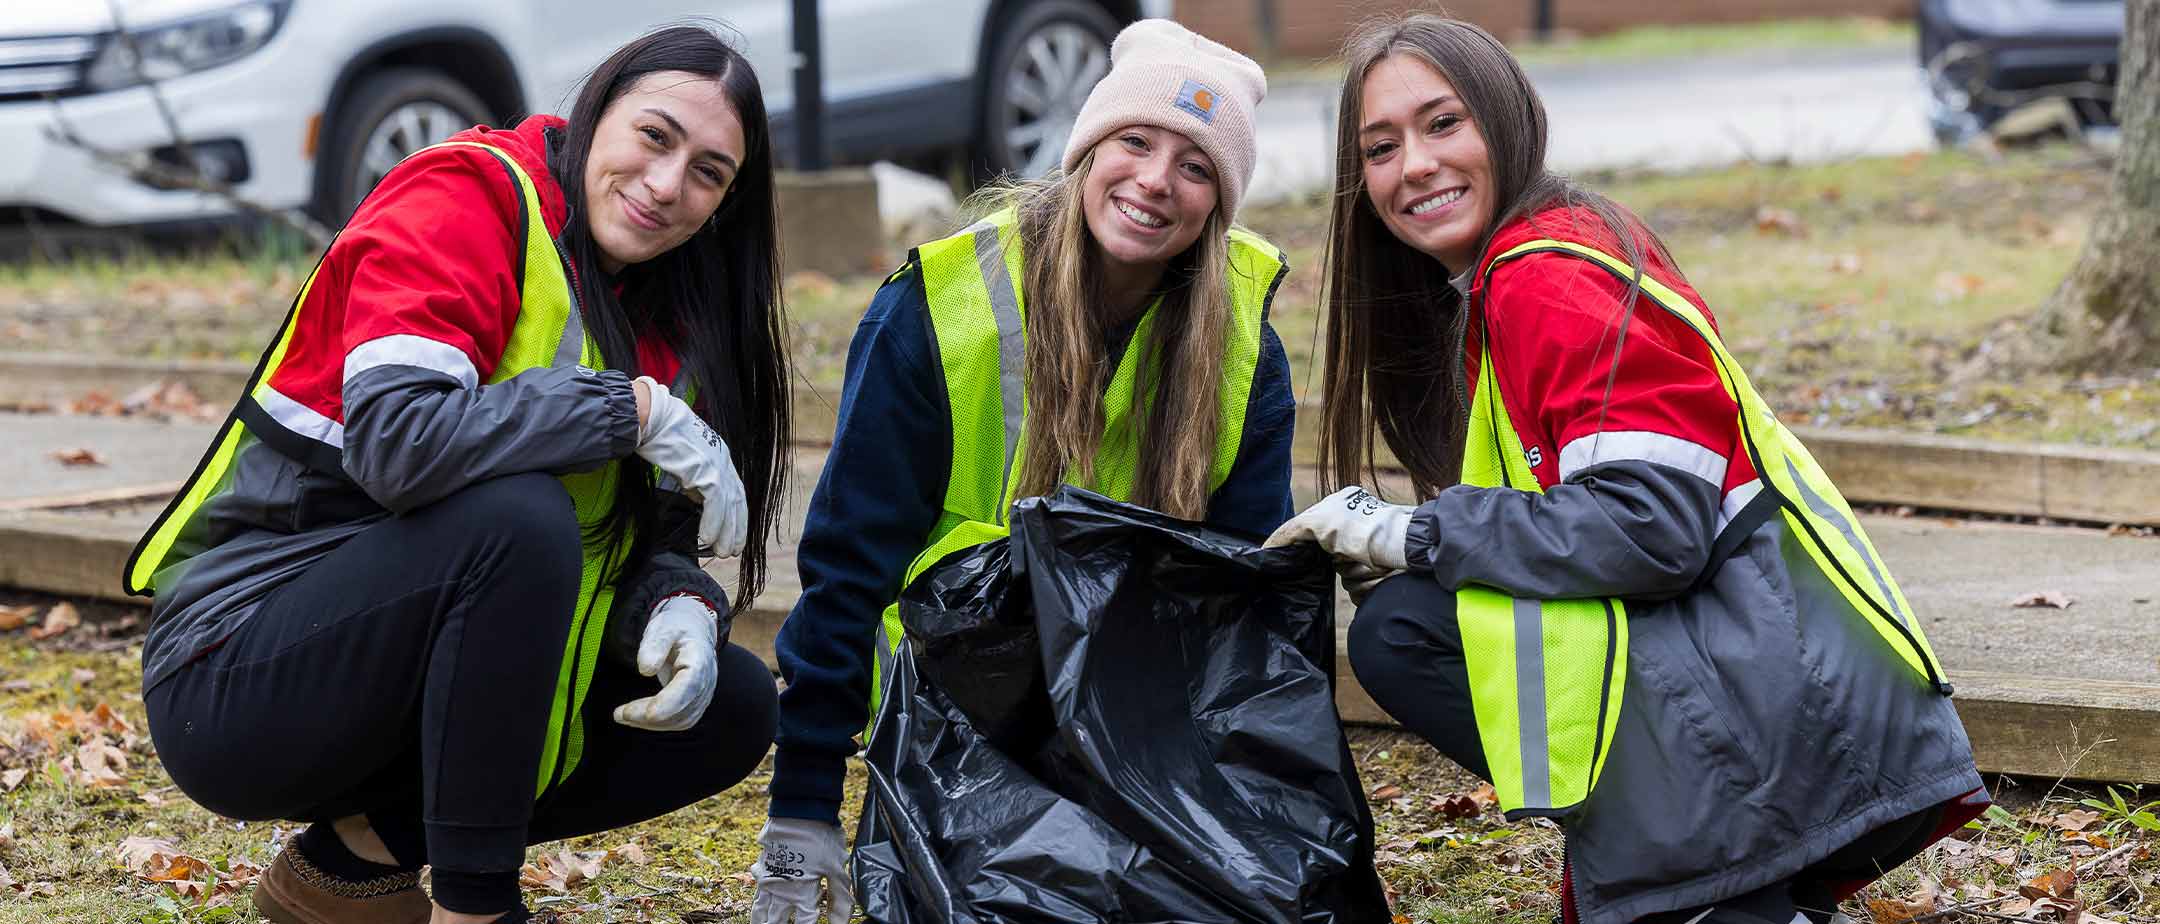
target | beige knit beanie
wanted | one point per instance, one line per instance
(1165, 75)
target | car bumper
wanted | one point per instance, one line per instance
(224, 104)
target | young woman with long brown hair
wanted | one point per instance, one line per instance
(1629, 597)
(1103, 327)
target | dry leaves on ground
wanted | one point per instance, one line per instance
(563, 870)
(1770, 220)
(2050, 599)
(1465, 804)
(160, 400)
(15, 617)
(60, 618)
(161, 861)
(78, 457)
(1900, 910)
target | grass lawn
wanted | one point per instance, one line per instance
(1667, 43)
(1850, 291)
(80, 779)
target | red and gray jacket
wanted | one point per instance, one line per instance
(382, 395)
(1764, 723)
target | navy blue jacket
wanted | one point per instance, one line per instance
(881, 494)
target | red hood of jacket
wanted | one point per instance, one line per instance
(528, 145)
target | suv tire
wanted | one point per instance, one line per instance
(388, 115)
(1043, 61)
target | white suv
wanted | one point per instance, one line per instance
(305, 103)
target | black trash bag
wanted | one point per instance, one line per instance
(1115, 716)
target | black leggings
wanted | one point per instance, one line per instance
(1407, 652)
(408, 676)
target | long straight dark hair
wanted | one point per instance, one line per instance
(715, 298)
(1395, 323)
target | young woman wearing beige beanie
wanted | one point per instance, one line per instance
(1104, 326)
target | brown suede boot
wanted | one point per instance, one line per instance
(294, 891)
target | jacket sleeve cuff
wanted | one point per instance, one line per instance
(1422, 538)
(620, 401)
(807, 785)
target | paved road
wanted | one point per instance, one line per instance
(1803, 107)
(1959, 576)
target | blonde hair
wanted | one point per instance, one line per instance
(1068, 367)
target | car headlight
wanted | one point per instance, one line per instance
(184, 46)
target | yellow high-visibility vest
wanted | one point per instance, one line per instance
(549, 332)
(1546, 676)
(972, 282)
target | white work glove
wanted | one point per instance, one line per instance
(675, 441)
(798, 853)
(1359, 578)
(1352, 524)
(681, 647)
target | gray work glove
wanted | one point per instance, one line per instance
(798, 853)
(1359, 578)
(681, 648)
(1353, 525)
(675, 441)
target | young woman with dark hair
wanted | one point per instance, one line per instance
(435, 586)
(1630, 598)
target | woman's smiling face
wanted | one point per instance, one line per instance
(1147, 196)
(1427, 170)
(663, 155)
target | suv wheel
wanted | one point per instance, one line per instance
(388, 116)
(1042, 65)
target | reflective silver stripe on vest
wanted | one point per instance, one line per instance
(1005, 308)
(1530, 702)
(1823, 509)
(572, 346)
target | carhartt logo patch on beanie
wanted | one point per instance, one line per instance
(1196, 98)
(1166, 76)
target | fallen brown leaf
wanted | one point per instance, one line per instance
(1769, 220)
(1897, 911)
(1953, 285)
(631, 852)
(99, 765)
(78, 457)
(2058, 884)
(1388, 791)
(562, 870)
(82, 675)
(158, 860)
(95, 402)
(2052, 599)
(12, 777)
(1455, 805)
(2075, 820)
(60, 618)
(15, 617)
(107, 719)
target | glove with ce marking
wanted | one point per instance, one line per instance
(797, 854)
(1353, 525)
(681, 647)
(675, 441)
